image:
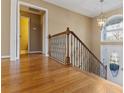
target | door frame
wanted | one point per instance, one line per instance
(15, 28)
(28, 32)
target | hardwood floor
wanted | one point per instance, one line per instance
(38, 74)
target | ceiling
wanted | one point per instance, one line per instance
(89, 8)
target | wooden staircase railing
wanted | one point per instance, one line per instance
(67, 48)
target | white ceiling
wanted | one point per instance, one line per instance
(89, 8)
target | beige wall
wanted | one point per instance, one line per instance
(96, 33)
(59, 19)
(5, 27)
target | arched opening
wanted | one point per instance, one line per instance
(111, 48)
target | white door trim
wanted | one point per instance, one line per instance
(15, 28)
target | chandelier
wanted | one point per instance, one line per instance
(101, 18)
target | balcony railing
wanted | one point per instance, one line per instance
(67, 48)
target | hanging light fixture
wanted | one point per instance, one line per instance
(101, 18)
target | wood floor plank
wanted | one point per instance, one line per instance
(36, 73)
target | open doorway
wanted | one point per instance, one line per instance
(15, 28)
(31, 30)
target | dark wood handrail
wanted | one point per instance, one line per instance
(58, 34)
(87, 48)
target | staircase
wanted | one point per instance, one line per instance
(67, 48)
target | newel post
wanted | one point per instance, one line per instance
(68, 57)
(49, 45)
(106, 72)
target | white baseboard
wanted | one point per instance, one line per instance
(5, 56)
(47, 55)
(35, 52)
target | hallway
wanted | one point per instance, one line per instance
(36, 73)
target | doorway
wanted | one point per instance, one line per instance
(113, 54)
(24, 34)
(31, 30)
(112, 48)
(15, 28)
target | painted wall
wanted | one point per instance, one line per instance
(24, 30)
(35, 32)
(58, 19)
(5, 27)
(96, 33)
